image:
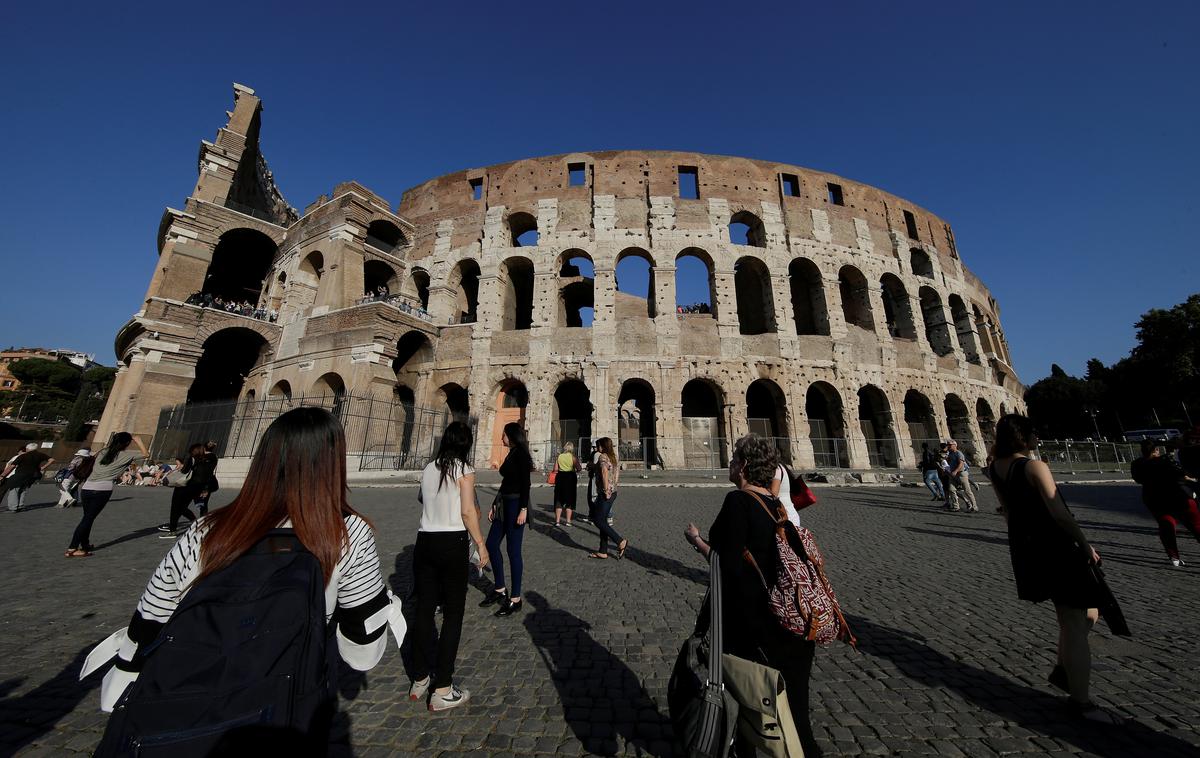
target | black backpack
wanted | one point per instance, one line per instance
(246, 665)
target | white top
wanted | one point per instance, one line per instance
(441, 506)
(785, 495)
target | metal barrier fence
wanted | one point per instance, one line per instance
(1084, 456)
(381, 432)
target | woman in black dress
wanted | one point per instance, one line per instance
(566, 484)
(1050, 557)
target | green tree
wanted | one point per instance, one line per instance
(48, 389)
(1059, 405)
(94, 387)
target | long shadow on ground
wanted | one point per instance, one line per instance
(1032, 709)
(26, 717)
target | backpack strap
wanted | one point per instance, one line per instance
(279, 541)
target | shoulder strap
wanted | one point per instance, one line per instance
(773, 516)
(716, 642)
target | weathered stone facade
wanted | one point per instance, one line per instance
(846, 316)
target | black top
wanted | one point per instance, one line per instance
(202, 478)
(741, 525)
(27, 468)
(1163, 486)
(514, 475)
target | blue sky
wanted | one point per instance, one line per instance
(1059, 139)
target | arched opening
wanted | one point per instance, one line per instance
(808, 297)
(897, 309)
(962, 326)
(406, 405)
(511, 401)
(278, 292)
(517, 286)
(875, 420)
(987, 422)
(856, 298)
(379, 279)
(414, 353)
(572, 421)
(920, 421)
(524, 229)
(384, 235)
(756, 305)
(227, 359)
(766, 415)
(457, 401)
(747, 229)
(464, 280)
(983, 326)
(331, 389)
(637, 424)
(419, 287)
(281, 390)
(695, 283)
(635, 284)
(934, 315)
(576, 289)
(919, 261)
(826, 431)
(959, 424)
(704, 437)
(239, 266)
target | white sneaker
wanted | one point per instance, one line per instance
(452, 699)
(420, 689)
(1177, 563)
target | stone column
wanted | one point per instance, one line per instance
(664, 296)
(856, 442)
(604, 323)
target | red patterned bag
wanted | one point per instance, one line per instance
(802, 599)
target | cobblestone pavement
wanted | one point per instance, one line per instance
(950, 663)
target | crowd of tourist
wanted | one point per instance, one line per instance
(382, 295)
(241, 308)
(693, 308)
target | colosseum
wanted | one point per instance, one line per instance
(670, 300)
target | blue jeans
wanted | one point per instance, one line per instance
(506, 529)
(934, 483)
(600, 515)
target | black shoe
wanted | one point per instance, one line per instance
(509, 607)
(1058, 678)
(496, 596)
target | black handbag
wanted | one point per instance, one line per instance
(703, 713)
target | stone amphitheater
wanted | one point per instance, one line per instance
(830, 315)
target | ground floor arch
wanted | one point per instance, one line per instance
(766, 414)
(512, 401)
(228, 357)
(705, 437)
(826, 430)
(958, 422)
(875, 421)
(987, 422)
(637, 424)
(920, 421)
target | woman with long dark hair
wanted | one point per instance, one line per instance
(200, 470)
(608, 474)
(296, 481)
(449, 523)
(508, 515)
(1050, 557)
(95, 492)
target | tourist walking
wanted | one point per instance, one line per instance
(960, 480)
(94, 493)
(69, 487)
(22, 472)
(751, 630)
(930, 472)
(781, 490)
(566, 484)
(291, 528)
(201, 501)
(1169, 495)
(1051, 557)
(608, 476)
(449, 525)
(199, 471)
(507, 516)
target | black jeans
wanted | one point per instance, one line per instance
(181, 498)
(93, 502)
(439, 577)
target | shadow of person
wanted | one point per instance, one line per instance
(26, 717)
(145, 532)
(1032, 709)
(544, 525)
(603, 701)
(401, 582)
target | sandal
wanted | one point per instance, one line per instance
(621, 549)
(599, 556)
(77, 553)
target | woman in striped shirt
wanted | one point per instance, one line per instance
(297, 480)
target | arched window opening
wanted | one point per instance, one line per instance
(920, 421)
(921, 264)
(464, 280)
(756, 305)
(875, 421)
(457, 401)
(962, 327)
(959, 423)
(278, 292)
(983, 327)
(826, 431)
(635, 284)
(695, 283)
(572, 420)
(379, 279)
(311, 269)
(704, 436)
(766, 415)
(419, 287)
(406, 420)
(282, 390)
(747, 229)
(413, 354)
(987, 422)
(856, 298)
(524, 229)
(934, 315)
(576, 289)
(228, 357)
(331, 389)
(897, 308)
(637, 424)
(384, 235)
(239, 266)
(808, 298)
(517, 285)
